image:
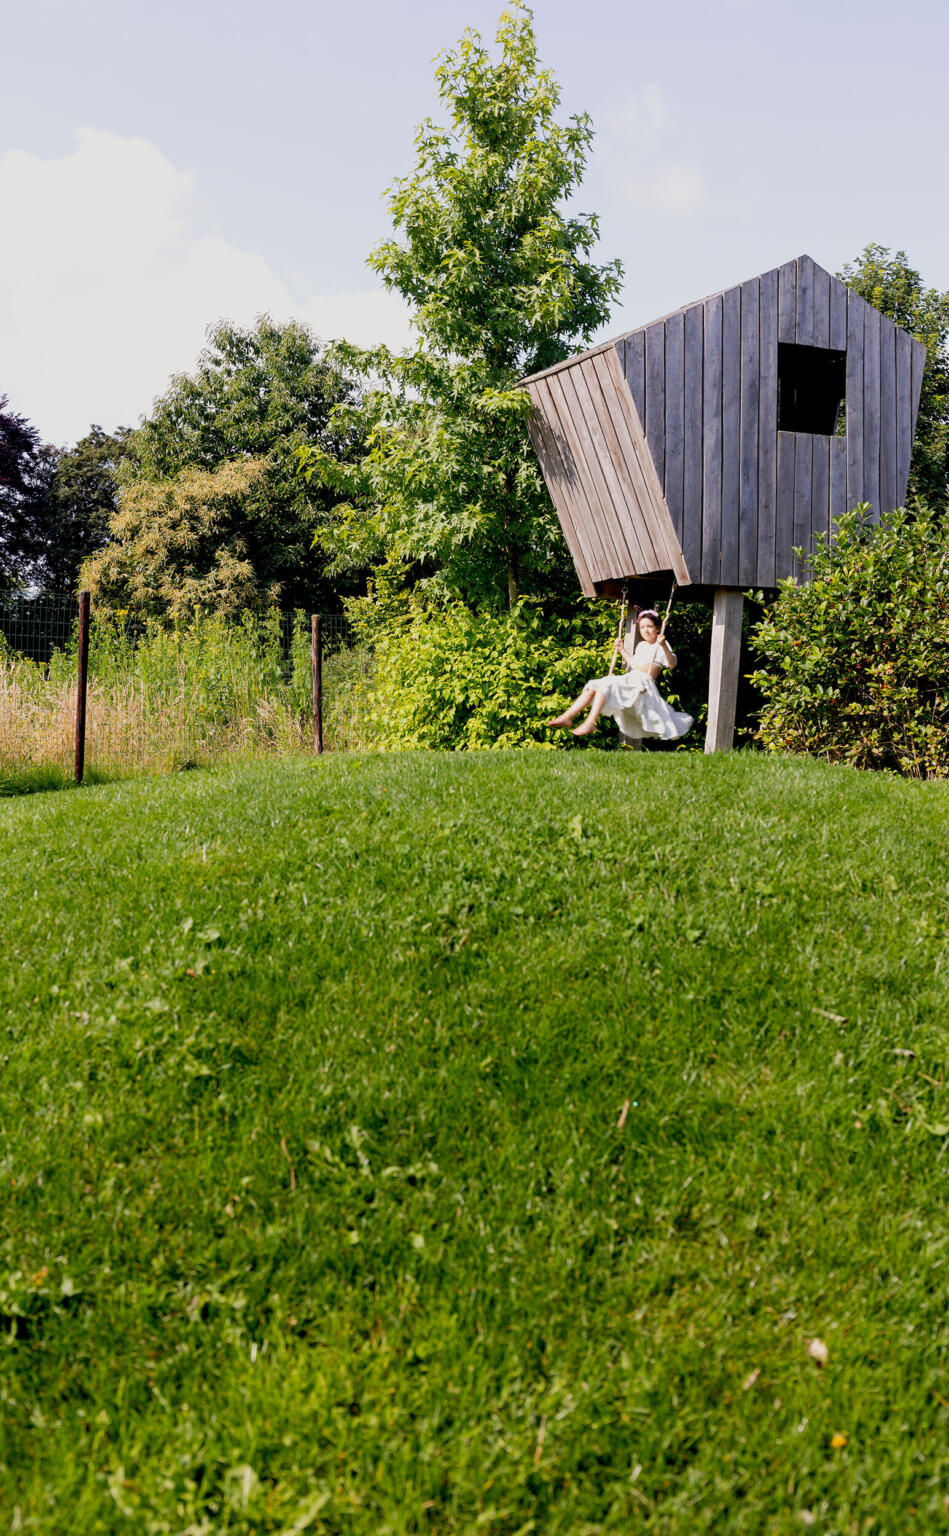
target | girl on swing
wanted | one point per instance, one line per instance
(632, 697)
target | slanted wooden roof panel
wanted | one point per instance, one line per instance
(598, 469)
(560, 483)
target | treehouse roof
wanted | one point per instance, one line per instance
(712, 442)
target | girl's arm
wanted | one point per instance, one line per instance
(665, 649)
(621, 650)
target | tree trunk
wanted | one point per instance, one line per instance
(511, 582)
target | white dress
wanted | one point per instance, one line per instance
(636, 704)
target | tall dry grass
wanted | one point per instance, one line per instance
(207, 692)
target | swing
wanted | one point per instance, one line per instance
(632, 699)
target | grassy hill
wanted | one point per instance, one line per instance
(476, 1144)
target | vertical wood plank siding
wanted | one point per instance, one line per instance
(767, 427)
(787, 302)
(871, 414)
(606, 481)
(662, 451)
(804, 328)
(838, 315)
(731, 433)
(887, 411)
(588, 525)
(620, 410)
(820, 300)
(803, 470)
(904, 415)
(641, 548)
(654, 421)
(634, 365)
(660, 523)
(748, 466)
(599, 504)
(543, 434)
(819, 489)
(784, 509)
(712, 446)
(918, 369)
(693, 438)
(838, 478)
(856, 309)
(673, 479)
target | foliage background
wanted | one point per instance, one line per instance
(452, 678)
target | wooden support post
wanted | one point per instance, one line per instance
(79, 756)
(316, 664)
(723, 669)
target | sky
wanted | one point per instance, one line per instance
(164, 167)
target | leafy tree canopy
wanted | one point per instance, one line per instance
(186, 544)
(82, 503)
(235, 425)
(256, 392)
(26, 469)
(500, 282)
(891, 285)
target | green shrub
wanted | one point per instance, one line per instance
(450, 678)
(856, 661)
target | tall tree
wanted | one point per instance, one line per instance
(232, 430)
(891, 285)
(499, 279)
(82, 502)
(26, 471)
(257, 392)
(187, 543)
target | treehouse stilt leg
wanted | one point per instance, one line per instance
(723, 669)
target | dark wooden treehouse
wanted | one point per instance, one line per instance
(711, 443)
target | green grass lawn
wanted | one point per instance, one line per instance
(476, 1144)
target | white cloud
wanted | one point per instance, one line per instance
(109, 278)
(643, 146)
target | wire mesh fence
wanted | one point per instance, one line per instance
(160, 697)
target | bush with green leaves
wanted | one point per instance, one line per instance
(856, 661)
(453, 678)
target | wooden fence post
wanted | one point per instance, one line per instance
(79, 757)
(316, 664)
(723, 669)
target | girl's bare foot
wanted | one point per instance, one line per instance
(561, 720)
(586, 729)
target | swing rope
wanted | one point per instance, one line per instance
(665, 620)
(620, 631)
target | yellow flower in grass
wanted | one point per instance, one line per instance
(838, 1441)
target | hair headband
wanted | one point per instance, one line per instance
(649, 613)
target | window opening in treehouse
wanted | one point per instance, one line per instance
(812, 386)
